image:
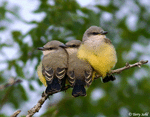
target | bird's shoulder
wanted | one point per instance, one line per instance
(106, 40)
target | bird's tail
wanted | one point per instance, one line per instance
(78, 89)
(54, 86)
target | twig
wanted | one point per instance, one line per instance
(16, 113)
(128, 66)
(38, 106)
(138, 64)
(11, 82)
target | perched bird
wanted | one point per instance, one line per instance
(79, 72)
(53, 68)
(98, 51)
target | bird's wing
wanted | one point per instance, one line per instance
(106, 40)
(60, 73)
(71, 77)
(49, 74)
(88, 77)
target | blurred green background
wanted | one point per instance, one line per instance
(28, 24)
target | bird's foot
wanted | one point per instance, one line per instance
(109, 78)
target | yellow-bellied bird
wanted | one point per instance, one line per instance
(53, 68)
(98, 51)
(79, 72)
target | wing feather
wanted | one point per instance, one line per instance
(60, 73)
(71, 77)
(49, 74)
(88, 77)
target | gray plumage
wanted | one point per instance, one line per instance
(79, 71)
(54, 65)
(93, 30)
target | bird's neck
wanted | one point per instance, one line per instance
(72, 50)
(48, 52)
(99, 37)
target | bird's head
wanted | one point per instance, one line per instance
(51, 46)
(94, 31)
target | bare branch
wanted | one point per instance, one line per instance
(38, 106)
(128, 66)
(16, 113)
(11, 82)
(138, 64)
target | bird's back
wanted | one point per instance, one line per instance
(79, 67)
(56, 60)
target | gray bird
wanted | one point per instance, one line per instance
(54, 66)
(79, 71)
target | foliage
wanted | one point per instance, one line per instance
(66, 20)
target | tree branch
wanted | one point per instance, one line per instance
(138, 64)
(38, 106)
(11, 82)
(128, 66)
(16, 113)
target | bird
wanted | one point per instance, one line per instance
(79, 72)
(98, 51)
(53, 67)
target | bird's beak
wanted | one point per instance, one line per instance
(63, 46)
(104, 33)
(41, 48)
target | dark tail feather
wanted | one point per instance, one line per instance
(49, 89)
(54, 87)
(78, 90)
(63, 82)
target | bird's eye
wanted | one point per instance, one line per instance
(95, 33)
(73, 45)
(50, 48)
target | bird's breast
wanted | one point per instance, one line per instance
(94, 45)
(72, 50)
(101, 55)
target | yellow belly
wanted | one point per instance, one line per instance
(39, 72)
(93, 75)
(102, 59)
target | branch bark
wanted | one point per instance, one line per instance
(16, 113)
(127, 66)
(38, 106)
(138, 64)
(11, 82)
